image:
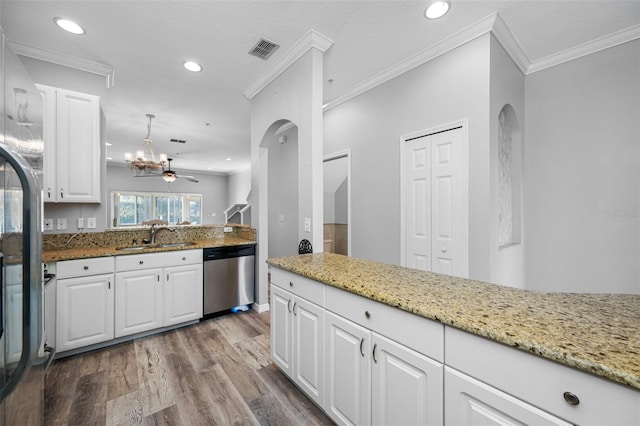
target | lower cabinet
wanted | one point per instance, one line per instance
(182, 294)
(471, 402)
(297, 336)
(138, 301)
(374, 380)
(85, 311)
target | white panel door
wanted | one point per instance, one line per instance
(308, 329)
(406, 386)
(282, 329)
(434, 194)
(182, 294)
(469, 402)
(85, 311)
(348, 381)
(418, 203)
(446, 218)
(138, 301)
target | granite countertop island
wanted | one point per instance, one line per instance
(597, 333)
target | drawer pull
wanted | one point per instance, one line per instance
(141, 262)
(375, 345)
(361, 343)
(367, 314)
(572, 399)
(184, 258)
(86, 268)
(290, 283)
(289, 305)
(294, 308)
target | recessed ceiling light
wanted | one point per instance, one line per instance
(108, 144)
(192, 66)
(228, 159)
(437, 8)
(69, 26)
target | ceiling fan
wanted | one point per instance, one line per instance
(169, 175)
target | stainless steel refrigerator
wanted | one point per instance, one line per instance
(21, 327)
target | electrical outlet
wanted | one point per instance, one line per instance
(61, 224)
(307, 224)
(228, 229)
(91, 222)
(80, 222)
(282, 217)
(48, 224)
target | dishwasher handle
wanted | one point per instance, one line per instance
(228, 252)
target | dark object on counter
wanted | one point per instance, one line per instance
(305, 247)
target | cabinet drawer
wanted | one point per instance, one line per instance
(418, 333)
(541, 382)
(306, 288)
(84, 267)
(158, 260)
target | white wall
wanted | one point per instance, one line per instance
(212, 187)
(451, 87)
(582, 174)
(239, 186)
(507, 87)
(283, 196)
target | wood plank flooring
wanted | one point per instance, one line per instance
(217, 372)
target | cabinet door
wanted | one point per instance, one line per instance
(406, 385)
(282, 329)
(50, 184)
(308, 348)
(471, 402)
(78, 147)
(348, 364)
(138, 301)
(85, 311)
(182, 294)
(13, 325)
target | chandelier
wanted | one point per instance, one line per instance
(143, 162)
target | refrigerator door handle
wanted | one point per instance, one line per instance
(31, 269)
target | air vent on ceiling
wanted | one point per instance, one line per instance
(263, 49)
(174, 140)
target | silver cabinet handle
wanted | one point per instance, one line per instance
(158, 276)
(289, 305)
(109, 284)
(141, 262)
(167, 277)
(61, 193)
(48, 192)
(361, 350)
(290, 283)
(85, 267)
(373, 353)
(184, 258)
(294, 308)
(571, 398)
(367, 314)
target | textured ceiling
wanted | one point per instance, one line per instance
(147, 41)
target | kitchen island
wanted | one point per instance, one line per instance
(597, 334)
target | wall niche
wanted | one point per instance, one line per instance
(509, 178)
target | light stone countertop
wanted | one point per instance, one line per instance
(597, 333)
(58, 254)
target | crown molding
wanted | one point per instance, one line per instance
(65, 60)
(463, 36)
(510, 44)
(312, 39)
(611, 40)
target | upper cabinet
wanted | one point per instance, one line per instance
(71, 146)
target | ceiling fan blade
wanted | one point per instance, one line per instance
(191, 178)
(147, 175)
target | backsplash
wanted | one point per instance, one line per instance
(126, 237)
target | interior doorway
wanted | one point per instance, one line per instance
(337, 202)
(434, 192)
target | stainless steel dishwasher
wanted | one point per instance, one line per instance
(228, 278)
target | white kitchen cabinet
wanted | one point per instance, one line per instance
(13, 305)
(84, 302)
(72, 148)
(85, 311)
(182, 294)
(406, 386)
(138, 304)
(155, 290)
(297, 335)
(348, 370)
(470, 402)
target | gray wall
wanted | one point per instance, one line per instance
(342, 203)
(582, 174)
(283, 195)
(451, 87)
(239, 185)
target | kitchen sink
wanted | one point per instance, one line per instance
(153, 246)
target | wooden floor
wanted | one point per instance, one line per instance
(215, 372)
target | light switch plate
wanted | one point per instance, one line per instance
(48, 224)
(307, 224)
(282, 217)
(80, 222)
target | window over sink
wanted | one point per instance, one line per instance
(132, 208)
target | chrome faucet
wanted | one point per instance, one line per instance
(154, 231)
